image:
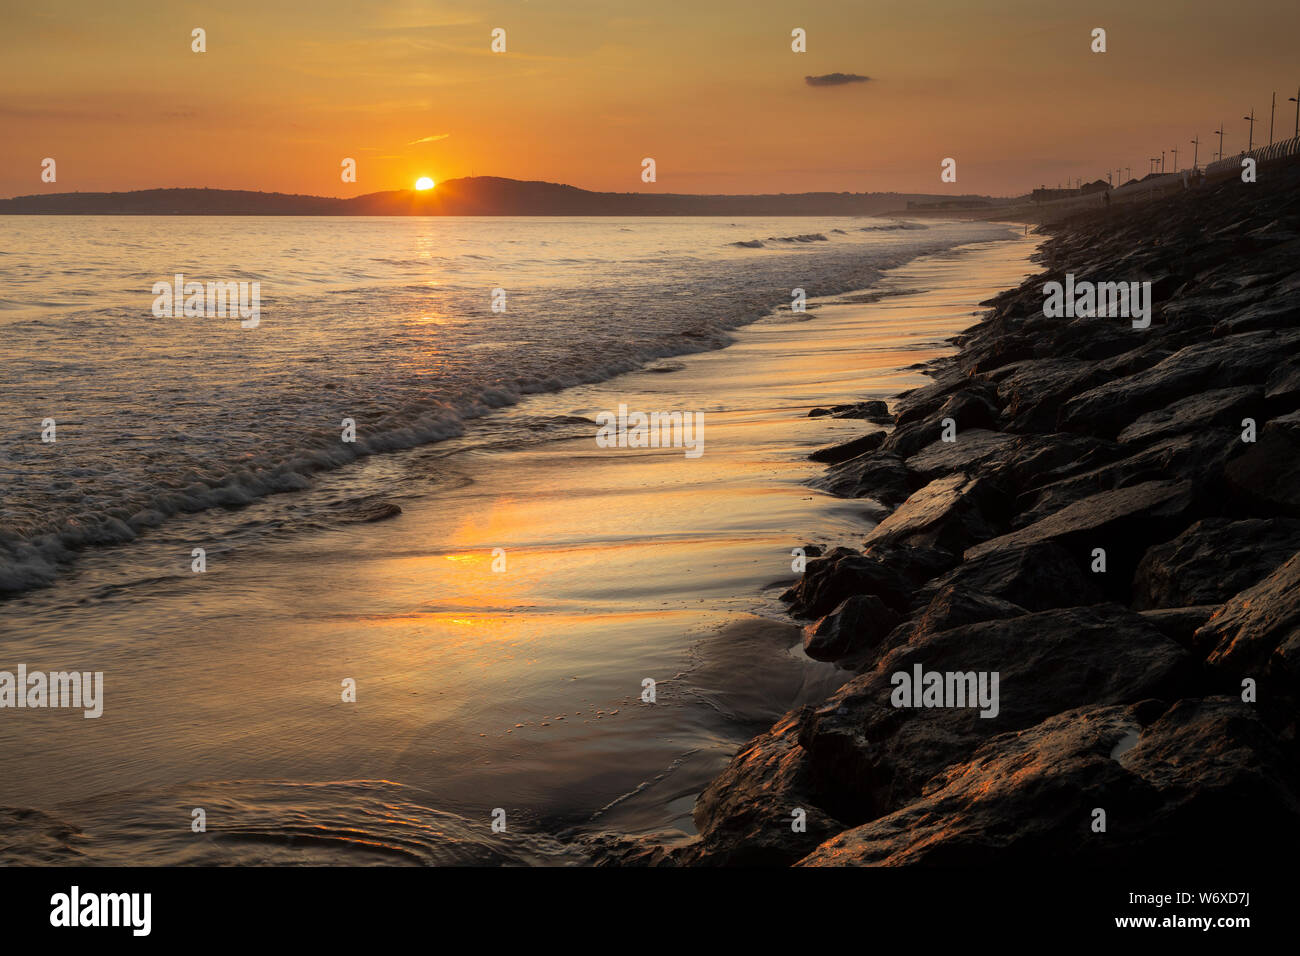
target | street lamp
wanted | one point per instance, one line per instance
(1296, 100)
(1196, 151)
(1175, 151)
(1251, 142)
(1271, 108)
(1219, 133)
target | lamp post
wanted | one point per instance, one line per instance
(1250, 145)
(1219, 131)
(1128, 173)
(1296, 100)
(1271, 108)
(1175, 151)
(1196, 151)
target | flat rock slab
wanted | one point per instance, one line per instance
(1216, 408)
(971, 448)
(1257, 633)
(1122, 515)
(947, 513)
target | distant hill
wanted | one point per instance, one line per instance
(472, 196)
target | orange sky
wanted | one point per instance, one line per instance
(587, 88)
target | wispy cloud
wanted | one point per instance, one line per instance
(835, 79)
(428, 139)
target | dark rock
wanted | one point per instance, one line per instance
(1123, 522)
(1038, 577)
(921, 402)
(968, 410)
(956, 606)
(654, 850)
(1028, 798)
(948, 513)
(970, 449)
(1257, 633)
(872, 410)
(915, 564)
(1267, 472)
(834, 454)
(906, 440)
(877, 475)
(1179, 623)
(1198, 458)
(1218, 363)
(1276, 311)
(1283, 385)
(744, 815)
(867, 758)
(1219, 408)
(1033, 395)
(842, 574)
(1212, 560)
(856, 626)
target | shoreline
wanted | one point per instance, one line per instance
(290, 445)
(621, 565)
(1114, 531)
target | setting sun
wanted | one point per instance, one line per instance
(424, 182)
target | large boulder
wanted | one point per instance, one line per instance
(971, 448)
(867, 757)
(1221, 408)
(1212, 560)
(880, 476)
(744, 816)
(841, 574)
(1038, 577)
(834, 454)
(1122, 522)
(1201, 782)
(951, 513)
(856, 627)
(1267, 472)
(1257, 633)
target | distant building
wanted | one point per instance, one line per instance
(951, 204)
(1050, 195)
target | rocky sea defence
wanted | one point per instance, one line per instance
(1076, 635)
